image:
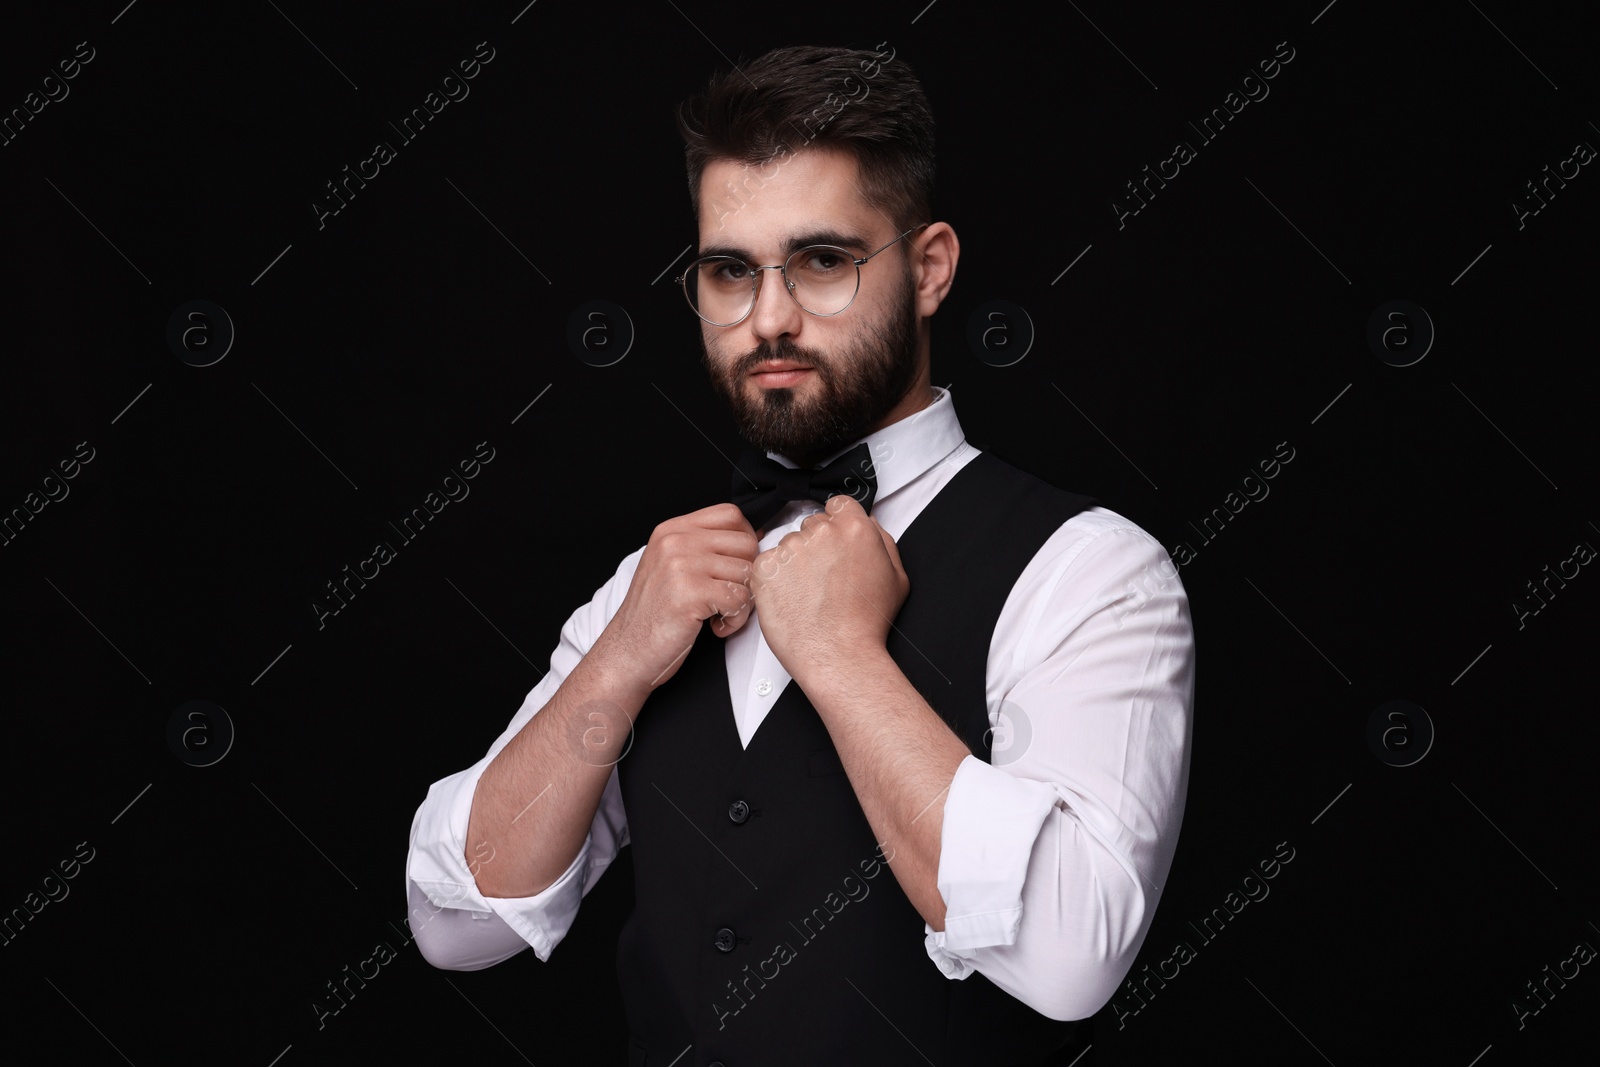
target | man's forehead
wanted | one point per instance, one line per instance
(815, 191)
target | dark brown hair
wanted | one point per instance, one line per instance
(869, 104)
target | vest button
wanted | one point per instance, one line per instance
(724, 940)
(738, 811)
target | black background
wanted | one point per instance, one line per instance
(1228, 316)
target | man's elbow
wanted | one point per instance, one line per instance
(1079, 993)
(1087, 971)
(456, 939)
(445, 953)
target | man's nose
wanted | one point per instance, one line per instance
(776, 314)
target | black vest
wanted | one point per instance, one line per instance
(767, 930)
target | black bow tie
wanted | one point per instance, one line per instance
(762, 486)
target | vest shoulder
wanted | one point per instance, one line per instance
(1089, 516)
(997, 469)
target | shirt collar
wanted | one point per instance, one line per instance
(903, 451)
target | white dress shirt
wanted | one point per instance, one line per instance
(1051, 857)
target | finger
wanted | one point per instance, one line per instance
(840, 501)
(740, 554)
(730, 620)
(725, 516)
(765, 567)
(732, 543)
(808, 525)
(729, 597)
(706, 573)
(728, 625)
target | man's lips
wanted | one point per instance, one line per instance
(780, 373)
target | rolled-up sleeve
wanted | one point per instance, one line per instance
(1052, 854)
(455, 926)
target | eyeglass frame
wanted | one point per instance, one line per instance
(783, 269)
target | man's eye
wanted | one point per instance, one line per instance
(823, 262)
(731, 272)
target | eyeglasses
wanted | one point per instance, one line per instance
(822, 279)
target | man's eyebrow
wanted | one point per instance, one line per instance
(847, 239)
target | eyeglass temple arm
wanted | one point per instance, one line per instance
(869, 255)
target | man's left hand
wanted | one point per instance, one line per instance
(829, 589)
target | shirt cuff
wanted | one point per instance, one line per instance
(991, 820)
(438, 866)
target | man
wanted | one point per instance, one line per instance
(981, 686)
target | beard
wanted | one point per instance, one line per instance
(855, 388)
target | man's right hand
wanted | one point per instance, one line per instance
(694, 567)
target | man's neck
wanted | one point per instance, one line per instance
(907, 407)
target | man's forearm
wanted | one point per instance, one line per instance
(536, 799)
(901, 758)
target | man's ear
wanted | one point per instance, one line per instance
(934, 253)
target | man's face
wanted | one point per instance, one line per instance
(863, 362)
